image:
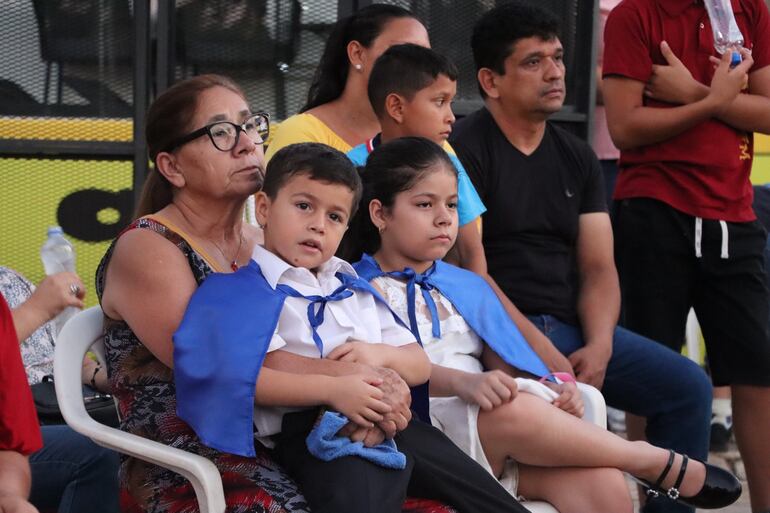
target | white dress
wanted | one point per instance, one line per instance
(458, 348)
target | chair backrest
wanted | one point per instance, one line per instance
(72, 31)
(247, 33)
(86, 330)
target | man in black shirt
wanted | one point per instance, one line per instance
(548, 238)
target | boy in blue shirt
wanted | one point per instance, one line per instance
(411, 89)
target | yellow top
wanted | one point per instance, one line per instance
(304, 127)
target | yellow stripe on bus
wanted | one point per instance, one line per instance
(67, 129)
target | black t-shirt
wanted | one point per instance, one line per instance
(533, 203)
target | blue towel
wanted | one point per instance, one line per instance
(324, 444)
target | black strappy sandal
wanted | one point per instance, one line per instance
(721, 488)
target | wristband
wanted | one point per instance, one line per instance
(93, 377)
(561, 377)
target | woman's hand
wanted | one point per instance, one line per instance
(370, 437)
(52, 295)
(358, 398)
(57, 292)
(488, 389)
(398, 396)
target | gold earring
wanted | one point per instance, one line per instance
(381, 229)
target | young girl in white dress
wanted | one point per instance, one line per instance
(534, 442)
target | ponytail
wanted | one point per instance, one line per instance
(363, 26)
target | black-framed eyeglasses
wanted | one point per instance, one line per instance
(225, 135)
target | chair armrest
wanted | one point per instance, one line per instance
(81, 332)
(595, 407)
(201, 472)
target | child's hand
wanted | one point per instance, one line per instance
(361, 352)
(488, 389)
(358, 398)
(569, 398)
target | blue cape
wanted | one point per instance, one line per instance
(219, 349)
(478, 304)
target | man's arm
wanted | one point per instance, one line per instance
(675, 84)
(473, 258)
(598, 302)
(469, 250)
(632, 124)
(14, 483)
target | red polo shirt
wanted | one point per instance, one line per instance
(19, 430)
(703, 171)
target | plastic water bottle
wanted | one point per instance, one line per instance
(58, 256)
(727, 35)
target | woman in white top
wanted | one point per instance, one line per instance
(410, 194)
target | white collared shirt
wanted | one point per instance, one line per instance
(358, 317)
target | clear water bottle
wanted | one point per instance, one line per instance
(727, 35)
(58, 256)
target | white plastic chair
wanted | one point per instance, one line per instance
(85, 330)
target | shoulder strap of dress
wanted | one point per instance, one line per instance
(173, 233)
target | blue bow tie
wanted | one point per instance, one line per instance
(316, 315)
(423, 280)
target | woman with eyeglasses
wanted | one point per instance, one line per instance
(206, 146)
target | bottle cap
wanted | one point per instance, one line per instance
(55, 230)
(735, 59)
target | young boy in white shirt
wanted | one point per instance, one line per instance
(330, 335)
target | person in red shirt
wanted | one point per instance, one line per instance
(19, 431)
(686, 232)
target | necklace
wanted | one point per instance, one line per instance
(233, 262)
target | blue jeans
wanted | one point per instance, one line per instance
(650, 380)
(71, 474)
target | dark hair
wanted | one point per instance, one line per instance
(169, 119)
(501, 27)
(406, 69)
(319, 162)
(392, 168)
(363, 26)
